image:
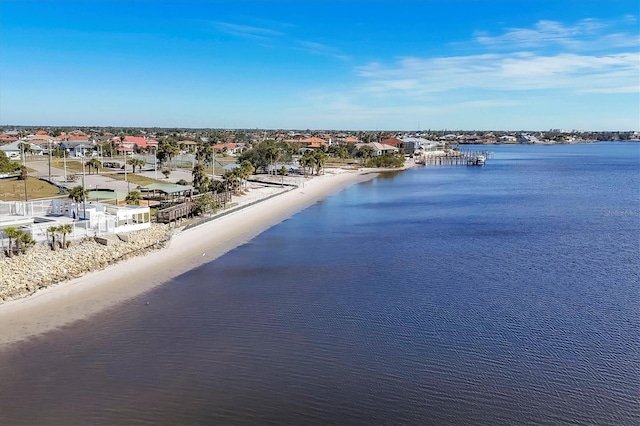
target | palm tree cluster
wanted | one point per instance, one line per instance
(94, 164)
(313, 161)
(22, 240)
(136, 162)
(236, 178)
(57, 236)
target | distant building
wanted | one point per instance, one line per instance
(524, 138)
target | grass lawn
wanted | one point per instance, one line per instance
(12, 189)
(136, 179)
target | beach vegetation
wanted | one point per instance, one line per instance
(51, 236)
(204, 204)
(166, 173)
(386, 160)
(19, 241)
(232, 180)
(364, 153)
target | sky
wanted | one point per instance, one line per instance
(322, 64)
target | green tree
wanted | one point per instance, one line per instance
(245, 171)
(8, 166)
(307, 162)
(13, 234)
(133, 198)
(364, 153)
(319, 160)
(24, 241)
(95, 164)
(136, 162)
(200, 180)
(52, 234)
(78, 194)
(64, 230)
(232, 180)
(167, 150)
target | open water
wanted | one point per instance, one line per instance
(504, 294)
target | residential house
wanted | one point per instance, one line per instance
(379, 148)
(79, 148)
(229, 148)
(5, 138)
(14, 149)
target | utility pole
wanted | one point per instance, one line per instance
(84, 197)
(49, 160)
(26, 175)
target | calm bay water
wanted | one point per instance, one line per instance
(504, 294)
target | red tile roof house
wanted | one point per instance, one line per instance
(230, 148)
(312, 143)
(4, 138)
(133, 142)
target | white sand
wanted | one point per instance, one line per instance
(77, 299)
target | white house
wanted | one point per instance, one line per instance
(14, 150)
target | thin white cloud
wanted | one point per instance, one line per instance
(320, 49)
(585, 35)
(246, 31)
(412, 76)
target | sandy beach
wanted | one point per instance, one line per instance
(79, 298)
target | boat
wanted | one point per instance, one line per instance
(478, 160)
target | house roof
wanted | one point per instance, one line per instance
(15, 146)
(167, 188)
(105, 195)
(139, 141)
(392, 141)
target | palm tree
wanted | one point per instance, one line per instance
(24, 241)
(133, 197)
(307, 161)
(200, 180)
(246, 170)
(230, 178)
(320, 158)
(13, 234)
(51, 232)
(64, 230)
(78, 194)
(137, 162)
(94, 163)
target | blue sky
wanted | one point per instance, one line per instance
(401, 65)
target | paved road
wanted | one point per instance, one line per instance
(102, 180)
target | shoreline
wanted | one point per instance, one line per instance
(79, 298)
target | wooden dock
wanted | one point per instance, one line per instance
(459, 158)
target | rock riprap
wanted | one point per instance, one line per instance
(40, 266)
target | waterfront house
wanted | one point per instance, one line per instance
(379, 148)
